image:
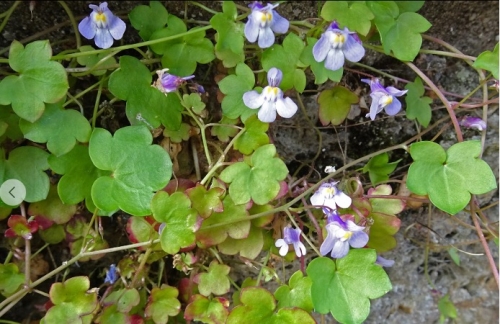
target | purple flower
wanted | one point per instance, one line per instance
(102, 25)
(271, 99)
(168, 82)
(340, 235)
(291, 236)
(262, 22)
(111, 275)
(383, 262)
(383, 98)
(473, 122)
(335, 44)
(330, 196)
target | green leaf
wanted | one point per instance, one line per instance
(449, 178)
(404, 38)
(409, 6)
(53, 235)
(212, 311)
(215, 281)
(454, 255)
(10, 279)
(138, 169)
(446, 307)
(286, 58)
(417, 106)
(179, 135)
(235, 225)
(335, 104)
(139, 229)
(258, 180)
(379, 168)
(52, 208)
(71, 127)
(223, 132)
(385, 13)
(258, 306)
(90, 61)
(132, 82)
(230, 41)
(234, 86)
(163, 303)
(206, 201)
(78, 174)
(125, 299)
(249, 247)
(72, 302)
(321, 73)
(147, 20)
(488, 61)
(193, 101)
(9, 124)
(40, 81)
(344, 287)
(356, 16)
(27, 164)
(297, 294)
(179, 218)
(255, 135)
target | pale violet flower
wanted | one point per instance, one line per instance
(102, 26)
(262, 22)
(334, 45)
(271, 99)
(291, 236)
(111, 275)
(330, 196)
(383, 98)
(341, 235)
(168, 82)
(383, 262)
(473, 122)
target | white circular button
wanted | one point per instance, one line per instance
(12, 192)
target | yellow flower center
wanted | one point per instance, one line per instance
(329, 192)
(386, 100)
(100, 17)
(347, 235)
(338, 39)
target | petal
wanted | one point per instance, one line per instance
(353, 50)
(334, 59)
(321, 48)
(279, 24)
(351, 226)
(252, 28)
(327, 245)
(358, 239)
(375, 107)
(395, 92)
(286, 107)
(393, 108)
(384, 262)
(267, 112)
(103, 38)
(266, 37)
(330, 203)
(117, 27)
(317, 199)
(280, 243)
(252, 99)
(284, 247)
(274, 77)
(342, 200)
(87, 28)
(340, 249)
(300, 249)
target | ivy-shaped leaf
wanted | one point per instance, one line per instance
(449, 178)
(258, 306)
(52, 208)
(255, 136)
(10, 279)
(215, 281)
(193, 101)
(286, 57)
(140, 229)
(257, 180)
(230, 41)
(321, 74)
(179, 135)
(72, 302)
(409, 6)
(26, 164)
(206, 201)
(211, 233)
(335, 104)
(296, 294)
(147, 20)
(488, 61)
(211, 311)
(385, 13)
(234, 86)
(91, 60)
(179, 218)
(9, 124)
(40, 81)
(132, 82)
(223, 132)
(138, 169)
(71, 127)
(417, 106)
(163, 303)
(379, 168)
(344, 287)
(125, 299)
(356, 16)
(404, 38)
